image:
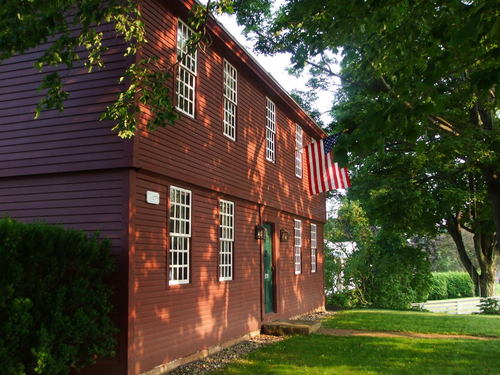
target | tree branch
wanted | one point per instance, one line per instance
(332, 73)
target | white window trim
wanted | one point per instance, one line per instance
(314, 248)
(185, 68)
(299, 134)
(232, 100)
(229, 240)
(297, 254)
(270, 130)
(180, 235)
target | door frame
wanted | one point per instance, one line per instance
(273, 271)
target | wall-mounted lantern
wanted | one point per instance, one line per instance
(259, 232)
(283, 235)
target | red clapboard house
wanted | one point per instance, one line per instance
(182, 205)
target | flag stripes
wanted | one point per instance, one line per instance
(324, 173)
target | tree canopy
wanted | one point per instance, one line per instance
(418, 108)
(418, 105)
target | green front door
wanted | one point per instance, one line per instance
(268, 269)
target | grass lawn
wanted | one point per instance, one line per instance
(328, 355)
(409, 321)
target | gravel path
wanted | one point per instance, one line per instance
(224, 357)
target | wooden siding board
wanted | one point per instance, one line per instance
(205, 311)
(60, 142)
(211, 160)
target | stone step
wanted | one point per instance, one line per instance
(290, 327)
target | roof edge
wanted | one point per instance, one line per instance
(241, 53)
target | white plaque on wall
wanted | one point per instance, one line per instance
(152, 197)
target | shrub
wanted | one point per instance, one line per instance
(459, 285)
(54, 301)
(438, 289)
(389, 274)
(400, 273)
(451, 285)
(490, 306)
(346, 299)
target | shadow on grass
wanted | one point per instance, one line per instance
(322, 355)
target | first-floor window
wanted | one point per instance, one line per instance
(297, 247)
(180, 235)
(226, 240)
(314, 247)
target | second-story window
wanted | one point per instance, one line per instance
(230, 100)
(298, 151)
(314, 247)
(270, 130)
(186, 73)
(226, 240)
(180, 235)
(298, 246)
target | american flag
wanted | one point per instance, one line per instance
(324, 173)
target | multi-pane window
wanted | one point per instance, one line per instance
(226, 240)
(270, 130)
(298, 151)
(314, 247)
(298, 245)
(186, 73)
(180, 235)
(230, 100)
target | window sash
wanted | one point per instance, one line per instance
(186, 72)
(229, 119)
(187, 60)
(180, 235)
(226, 240)
(230, 82)
(314, 252)
(186, 87)
(298, 150)
(297, 246)
(314, 247)
(270, 130)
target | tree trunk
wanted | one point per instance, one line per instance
(487, 280)
(453, 228)
(493, 184)
(485, 247)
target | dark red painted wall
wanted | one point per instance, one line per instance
(172, 321)
(169, 322)
(60, 142)
(69, 168)
(196, 151)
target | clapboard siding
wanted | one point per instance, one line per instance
(90, 202)
(93, 202)
(196, 151)
(74, 140)
(206, 311)
(68, 168)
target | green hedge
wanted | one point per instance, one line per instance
(450, 285)
(54, 300)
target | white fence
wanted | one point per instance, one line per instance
(452, 306)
